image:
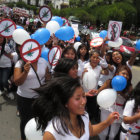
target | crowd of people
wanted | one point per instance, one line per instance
(55, 95)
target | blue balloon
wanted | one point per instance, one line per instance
(119, 83)
(78, 38)
(44, 54)
(57, 19)
(138, 45)
(32, 36)
(42, 35)
(19, 27)
(103, 34)
(65, 33)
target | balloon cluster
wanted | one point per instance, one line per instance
(42, 35)
(107, 97)
(20, 36)
(65, 33)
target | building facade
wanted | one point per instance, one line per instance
(56, 3)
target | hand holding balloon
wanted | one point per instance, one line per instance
(85, 70)
(112, 117)
(92, 92)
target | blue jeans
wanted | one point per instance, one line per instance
(4, 76)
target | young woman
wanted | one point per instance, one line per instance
(69, 52)
(25, 77)
(131, 116)
(93, 65)
(66, 66)
(112, 131)
(60, 111)
(118, 59)
(5, 67)
(83, 58)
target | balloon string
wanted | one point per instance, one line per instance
(107, 109)
(115, 106)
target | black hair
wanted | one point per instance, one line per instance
(110, 55)
(123, 59)
(63, 66)
(93, 51)
(125, 67)
(3, 47)
(136, 96)
(51, 105)
(67, 49)
(86, 57)
(19, 57)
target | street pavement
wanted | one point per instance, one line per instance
(9, 122)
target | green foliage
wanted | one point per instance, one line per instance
(21, 4)
(120, 11)
(85, 16)
(10, 4)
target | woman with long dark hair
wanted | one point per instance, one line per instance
(83, 58)
(122, 96)
(28, 76)
(130, 127)
(60, 111)
(66, 66)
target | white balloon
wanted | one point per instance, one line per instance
(89, 80)
(20, 35)
(52, 26)
(31, 132)
(115, 44)
(106, 98)
(76, 45)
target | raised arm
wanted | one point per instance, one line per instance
(19, 75)
(132, 58)
(96, 129)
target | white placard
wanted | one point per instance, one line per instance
(114, 30)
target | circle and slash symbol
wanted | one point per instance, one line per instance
(7, 27)
(65, 22)
(30, 50)
(96, 42)
(54, 55)
(114, 31)
(45, 14)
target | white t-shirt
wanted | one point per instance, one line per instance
(57, 136)
(4, 60)
(96, 70)
(128, 111)
(31, 82)
(81, 65)
(104, 78)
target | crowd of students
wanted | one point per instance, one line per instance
(56, 96)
